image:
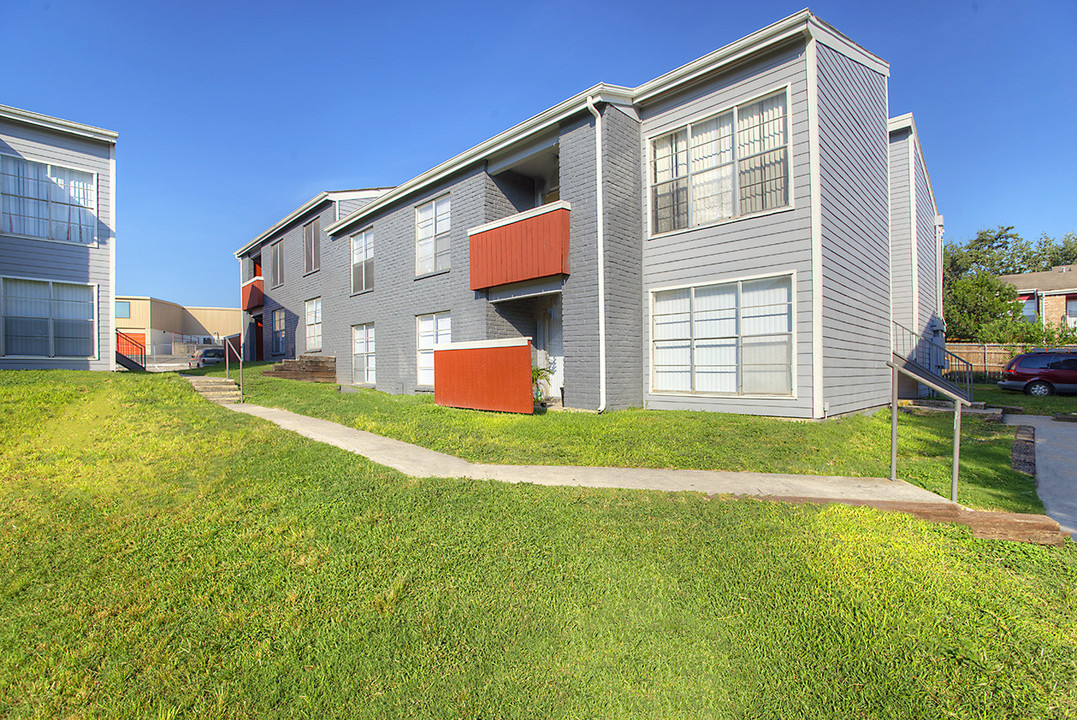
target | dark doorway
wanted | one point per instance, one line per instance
(258, 338)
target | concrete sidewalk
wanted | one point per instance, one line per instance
(420, 462)
(1056, 467)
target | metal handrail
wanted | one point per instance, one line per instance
(934, 358)
(140, 356)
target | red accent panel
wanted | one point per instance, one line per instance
(131, 343)
(497, 378)
(1022, 298)
(252, 294)
(534, 247)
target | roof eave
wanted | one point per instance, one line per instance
(58, 124)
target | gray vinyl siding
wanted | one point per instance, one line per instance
(62, 262)
(622, 188)
(853, 169)
(901, 229)
(770, 244)
(926, 250)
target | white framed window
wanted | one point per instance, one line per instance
(312, 246)
(276, 263)
(314, 324)
(430, 330)
(123, 309)
(727, 165)
(277, 341)
(47, 201)
(363, 354)
(432, 222)
(1030, 309)
(363, 261)
(1071, 307)
(42, 318)
(728, 338)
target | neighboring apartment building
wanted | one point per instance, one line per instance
(718, 238)
(1049, 296)
(57, 242)
(160, 324)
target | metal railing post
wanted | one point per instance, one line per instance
(957, 450)
(893, 426)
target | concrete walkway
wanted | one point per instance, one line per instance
(420, 462)
(1056, 467)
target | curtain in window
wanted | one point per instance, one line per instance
(714, 327)
(712, 170)
(363, 354)
(432, 223)
(25, 187)
(71, 196)
(670, 192)
(72, 313)
(278, 332)
(761, 148)
(433, 329)
(26, 318)
(362, 261)
(672, 340)
(314, 324)
(766, 324)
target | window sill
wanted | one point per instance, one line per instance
(357, 293)
(313, 350)
(424, 388)
(95, 244)
(719, 396)
(433, 274)
(311, 272)
(726, 221)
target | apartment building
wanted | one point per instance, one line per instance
(719, 238)
(57, 243)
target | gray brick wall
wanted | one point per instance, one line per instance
(622, 187)
(580, 291)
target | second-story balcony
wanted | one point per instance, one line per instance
(251, 293)
(529, 245)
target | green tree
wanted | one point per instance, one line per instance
(973, 301)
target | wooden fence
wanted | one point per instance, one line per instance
(988, 359)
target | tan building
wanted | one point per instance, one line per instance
(1050, 296)
(161, 325)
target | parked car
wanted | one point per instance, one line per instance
(209, 356)
(1041, 373)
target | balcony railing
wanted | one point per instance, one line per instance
(529, 245)
(251, 293)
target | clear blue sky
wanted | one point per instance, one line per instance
(232, 113)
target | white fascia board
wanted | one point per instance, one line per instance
(483, 344)
(613, 94)
(828, 35)
(525, 215)
(908, 122)
(57, 124)
(1069, 291)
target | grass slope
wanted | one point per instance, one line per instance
(163, 557)
(857, 446)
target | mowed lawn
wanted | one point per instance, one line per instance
(163, 557)
(857, 446)
(995, 396)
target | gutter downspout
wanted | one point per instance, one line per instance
(599, 205)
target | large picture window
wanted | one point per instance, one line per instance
(312, 245)
(363, 261)
(731, 164)
(732, 338)
(47, 201)
(314, 324)
(47, 319)
(363, 354)
(431, 330)
(432, 222)
(277, 343)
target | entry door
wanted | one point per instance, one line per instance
(550, 341)
(258, 352)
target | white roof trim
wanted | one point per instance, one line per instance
(908, 122)
(332, 195)
(57, 124)
(802, 23)
(538, 123)
(525, 215)
(482, 344)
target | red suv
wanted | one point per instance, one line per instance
(1041, 373)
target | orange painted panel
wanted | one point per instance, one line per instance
(496, 378)
(131, 343)
(252, 294)
(534, 247)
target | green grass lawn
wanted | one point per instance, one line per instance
(163, 557)
(856, 446)
(994, 396)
